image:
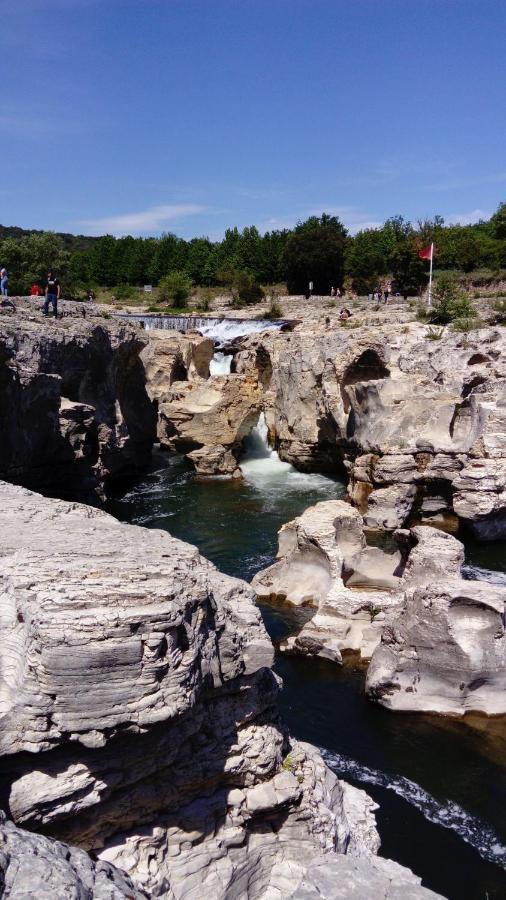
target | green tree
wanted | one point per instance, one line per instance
(450, 301)
(408, 270)
(315, 252)
(246, 289)
(29, 259)
(498, 222)
(175, 288)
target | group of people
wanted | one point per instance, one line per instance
(52, 290)
(335, 292)
(378, 295)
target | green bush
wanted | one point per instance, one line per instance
(465, 323)
(246, 289)
(450, 302)
(124, 291)
(274, 311)
(205, 304)
(175, 287)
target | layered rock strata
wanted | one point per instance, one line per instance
(138, 718)
(73, 404)
(417, 425)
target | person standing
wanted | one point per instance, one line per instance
(4, 282)
(52, 294)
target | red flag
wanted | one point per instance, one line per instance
(426, 252)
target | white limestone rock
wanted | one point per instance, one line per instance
(33, 867)
(446, 652)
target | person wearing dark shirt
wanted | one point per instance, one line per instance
(52, 294)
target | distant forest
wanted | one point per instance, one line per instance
(318, 250)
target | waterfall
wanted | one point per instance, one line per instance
(262, 467)
(220, 363)
(220, 329)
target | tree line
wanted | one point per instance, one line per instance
(318, 250)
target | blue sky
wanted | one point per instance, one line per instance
(143, 116)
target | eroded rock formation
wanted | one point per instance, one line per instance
(446, 652)
(138, 716)
(73, 402)
(419, 426)
(437, 641)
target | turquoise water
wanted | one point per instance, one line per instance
(441, 783)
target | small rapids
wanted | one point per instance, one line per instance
(447, 814)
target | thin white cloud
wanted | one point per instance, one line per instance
(469, 218)
(147, 221)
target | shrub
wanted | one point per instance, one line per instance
(205, 304)
(465, 323)
(450, 302)
(246, 289)
(434, 334)
(499, 307)
(175, 287)
(123, 291)
(274, 311)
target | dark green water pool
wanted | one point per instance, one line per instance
(440, 783)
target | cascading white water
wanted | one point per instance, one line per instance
(221, 330)
(262, 467)
(227, 330)
(220, 363)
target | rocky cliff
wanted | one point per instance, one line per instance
(417, 425)
(138, 718)
(73, 404)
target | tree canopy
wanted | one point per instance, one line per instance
(318, 250)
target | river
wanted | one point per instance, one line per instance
(440, 783)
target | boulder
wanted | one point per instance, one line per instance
(446, 652)
(359, 879)
(323, 562)
(408, 419)
(138, 720)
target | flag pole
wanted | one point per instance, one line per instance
(430, 274)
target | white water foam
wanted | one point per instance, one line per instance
(478, 573)
(262, 467)
(447, 814)
(224, 331)
(220, 363)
